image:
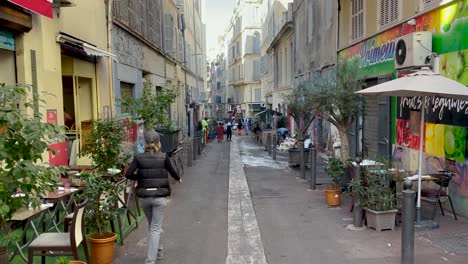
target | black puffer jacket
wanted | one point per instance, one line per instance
(153, 170)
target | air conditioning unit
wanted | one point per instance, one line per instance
(413, 50)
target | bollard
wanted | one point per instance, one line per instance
(313, 167)
(274, 147)
(195, 148)
(357, 209)
(269, 143)
(200, 145)
(407, 227)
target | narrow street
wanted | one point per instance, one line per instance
(294, 223)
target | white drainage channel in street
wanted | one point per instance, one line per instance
(244, 241)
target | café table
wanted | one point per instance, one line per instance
(63, 200)
(28, 215)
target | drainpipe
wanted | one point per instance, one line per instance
(338, 27)
(109, 60)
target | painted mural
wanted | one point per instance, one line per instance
(446, 120)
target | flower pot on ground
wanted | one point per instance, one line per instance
(76, 262)
(380, 201)
(336, 169)
(103, 196)
(295, 156)
(102, 191)
(24, 138)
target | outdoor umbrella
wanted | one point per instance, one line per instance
(420, 83)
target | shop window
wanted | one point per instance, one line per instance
(389, 12)
(357, 19)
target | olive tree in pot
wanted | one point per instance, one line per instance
(336, 169)
(300, 106)
(24, 138)
(332, 97)
(105, 147)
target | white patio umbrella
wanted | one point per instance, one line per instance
(421, 83)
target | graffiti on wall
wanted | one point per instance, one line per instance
(445, 134)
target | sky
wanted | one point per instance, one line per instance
(218, 13)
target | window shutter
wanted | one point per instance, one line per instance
(168, 33)
(388, 12)
(258, 94)
(357, 19)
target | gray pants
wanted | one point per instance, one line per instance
(154, 211)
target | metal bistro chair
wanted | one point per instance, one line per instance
(47, 244)
(434, 195)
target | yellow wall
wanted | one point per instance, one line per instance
(85, 21)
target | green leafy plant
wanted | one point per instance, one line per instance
(153, 106)
(336, 169)
(24, 138)
(102, 193)
(62, 260)
(378, 189)
(356, 187)
(105, 144)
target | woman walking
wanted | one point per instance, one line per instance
(153, 169)
(220, 132)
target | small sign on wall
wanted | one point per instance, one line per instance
(60, 157)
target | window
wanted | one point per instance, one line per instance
(426, 4)
(256, 42)
(237, 50)
(256, 70)
(258, 94)
(357, 19)
(310, 21)
(388, 12)
(168, 33)
(328, 13)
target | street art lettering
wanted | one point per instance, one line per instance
(440, 105)
(372, 54)
(410, 102)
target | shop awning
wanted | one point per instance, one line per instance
(87, 48)
(41, 7)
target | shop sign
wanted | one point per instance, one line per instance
(7, 40)
(41, 7)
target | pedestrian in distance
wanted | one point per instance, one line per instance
(220, 132)
(205, 130)
(257, 131)
(152, 175)
(239, 127)
(229, 131)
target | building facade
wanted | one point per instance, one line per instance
(277, 58)
(371, 34)
(244, 57)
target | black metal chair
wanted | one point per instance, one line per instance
(61, 244)
(434, 195)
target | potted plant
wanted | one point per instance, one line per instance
(336, 169)
(106, 145)
(380, 202)
(24, 138)
(300, 107)
(152, 107)
(103, 195)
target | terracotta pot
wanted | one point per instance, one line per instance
(102, 248)
(333, 197)
(4, 255)
(76, 262)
